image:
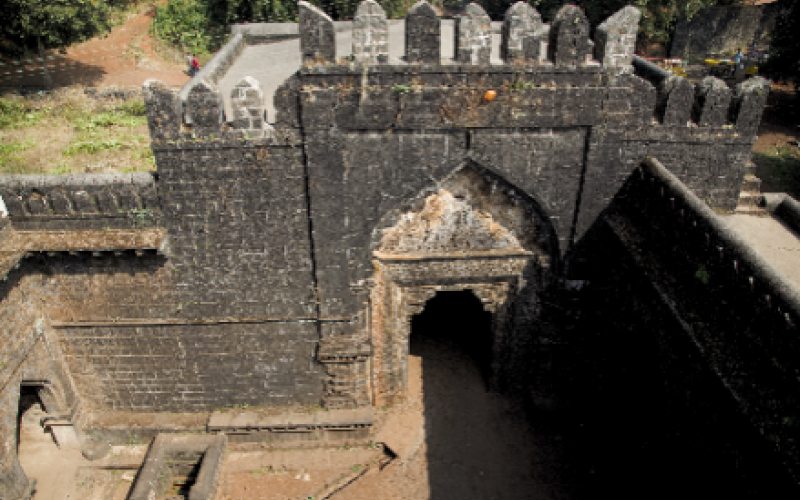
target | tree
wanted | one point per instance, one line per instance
(52, 23)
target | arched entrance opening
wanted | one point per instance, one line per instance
(32, 409)
(472, 233)
(454, 325)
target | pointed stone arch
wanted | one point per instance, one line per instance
(471, 230)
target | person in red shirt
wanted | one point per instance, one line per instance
(195, 65)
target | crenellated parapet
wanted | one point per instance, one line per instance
(317, 35)
(749, 100)
(712, 103)
(87, 201)
(570, 44)
(247, 101)
(615, 39)
(423, 34)
(523, 35)
(370, 34)
(473, 36)
(547, 75)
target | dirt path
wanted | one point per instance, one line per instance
(124, 57)
(457, 441)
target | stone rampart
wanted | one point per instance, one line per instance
(734, 317)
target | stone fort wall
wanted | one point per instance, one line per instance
(265, 276)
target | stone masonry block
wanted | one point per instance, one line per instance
(204, 104)
(749, 101)
(712, 102)
(247, 101)
(522, 34)
(370, 34)
(423, 34)
(569, 38)
(473, 36)
(675, 101)
(317, 35)
(161, 103)
(616, 38)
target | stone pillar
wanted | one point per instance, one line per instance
(521, 37)
(675, 101)
(345, 359)
(423, 35)
(161, 104)
(317, 36)
(749, 101)
(370, 34)
(473, 36)
(204, 106)
(247, 102)
(569, 38)
(712, 103)
(616, 39)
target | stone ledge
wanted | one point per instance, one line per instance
(291, 421)
(206, 451)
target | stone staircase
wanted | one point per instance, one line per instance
(750, 198)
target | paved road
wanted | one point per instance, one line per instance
(272, 64)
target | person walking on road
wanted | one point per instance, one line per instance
(195, 65)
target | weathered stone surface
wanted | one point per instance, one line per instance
(204, 103)
(712, 103)
(161, 103)
(522, 39)
(444, 226)
(675, 101)
(749, 101)
(615, 39)
(317, 35)
(423, 34)
(473, 36)
(370, 34)
(247, 102)
(569, 38)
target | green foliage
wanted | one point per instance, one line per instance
(57, 22)
(200, 26)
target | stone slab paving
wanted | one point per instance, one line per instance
(271, 64)
(773, 240)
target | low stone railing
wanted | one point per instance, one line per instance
(740, 314)
(735, 258)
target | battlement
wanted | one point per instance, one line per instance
(518, 73)
(79, 202)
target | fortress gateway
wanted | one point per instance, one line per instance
(573, 188)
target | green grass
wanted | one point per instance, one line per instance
(11, 161)
(779, 171)
(71, 132)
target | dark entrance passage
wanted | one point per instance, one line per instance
(457, 323)
(478, 444)
(29, 416)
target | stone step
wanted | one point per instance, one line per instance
(750, 203)
(751, 183)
